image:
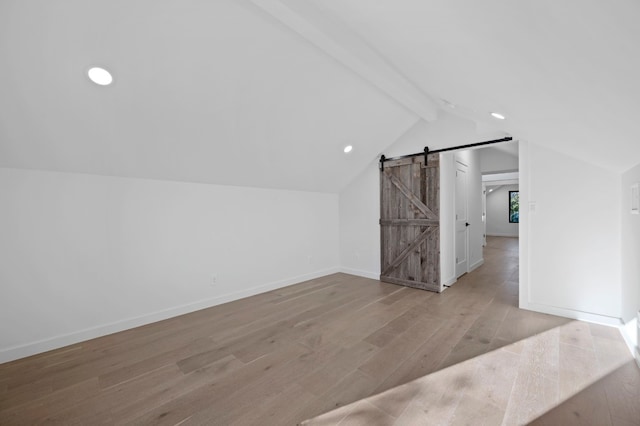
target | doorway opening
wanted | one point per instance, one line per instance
(485, 206)
(435, 211)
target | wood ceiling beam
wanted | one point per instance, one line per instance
(337, 40)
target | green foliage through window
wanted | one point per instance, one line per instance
(514, 206)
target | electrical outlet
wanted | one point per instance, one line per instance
(309, 257)
(214, 279)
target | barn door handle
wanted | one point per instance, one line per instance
(467, 224)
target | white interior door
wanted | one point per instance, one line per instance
(462, 220)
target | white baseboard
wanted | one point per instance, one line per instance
(449, 281)
(629, 332)
(476, 265)
(376, 276)
(626, 330)
(496, 234)
(55, 342)
(573, 314)
(361, 273)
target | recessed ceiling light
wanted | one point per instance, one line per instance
(498, 115)
(100, 76)
(348, 148)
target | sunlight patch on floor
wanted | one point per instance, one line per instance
(512, 385)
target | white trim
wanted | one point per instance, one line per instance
(498, 183)
(496, 234)
(499, 177)
(525, 225)
(376, 276)
(44, 345)
(630, 334)
(476, 265)
(450, 281)
(360, 273)
(573, 314)
(459, 161)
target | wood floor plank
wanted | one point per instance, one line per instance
(430, 354)
(392, 329)
(472, 411)
(622, 388)
(185, 406)
(578, 369)
(351, 388)
(248, 343)
(37, 408)
(267, 386)
(150, 363)
(577, 333)
(284, 356)
(365, 414)
(96, 408)
(385, 361)
(588, 407)
(343, 362)
(163, 392)
(275, 410)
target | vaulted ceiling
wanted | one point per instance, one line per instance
(268, 92)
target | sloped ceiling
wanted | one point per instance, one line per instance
(217, 92)
(512, 149)
(565, 73)
(267, 92)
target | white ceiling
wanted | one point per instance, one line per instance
(214, 92)
(565, 73)
(267, 92)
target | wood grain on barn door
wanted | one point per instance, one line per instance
(410, 222)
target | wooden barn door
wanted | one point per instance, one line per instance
(410, 222)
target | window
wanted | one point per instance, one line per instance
(514, 206)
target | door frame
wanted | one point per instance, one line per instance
(484, 214)
(455, 207)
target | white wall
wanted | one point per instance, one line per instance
(498, 212)
(495, 161)
(359, 226)
(570, 244)
(630, 256)
(85, 255)
(360, 200)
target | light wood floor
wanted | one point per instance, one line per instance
(298, 352)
